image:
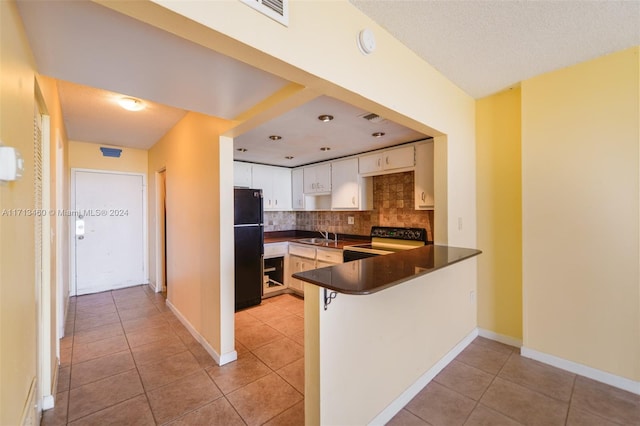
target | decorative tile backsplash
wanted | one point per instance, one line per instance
(393, 205)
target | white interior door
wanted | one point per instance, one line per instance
(109, 231)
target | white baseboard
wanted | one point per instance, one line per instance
(219, 359)
(507, 340)
(48, 401)
(397, 405)
(583, 370)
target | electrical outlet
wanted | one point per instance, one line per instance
(351, 220)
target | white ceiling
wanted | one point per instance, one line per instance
(482, 46)
(487, 46)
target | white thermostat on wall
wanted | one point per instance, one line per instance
(11, 164)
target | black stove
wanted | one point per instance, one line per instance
(386, 240)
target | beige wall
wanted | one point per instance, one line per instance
(88, 156)
(17, 267)
(190, 154)
(580, 190)
(499, 192)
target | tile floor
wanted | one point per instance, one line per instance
(127, 360)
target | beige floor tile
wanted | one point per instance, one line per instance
(256, 336)
(201, 355)
(135, 411)
(99, 368)
(104, 393)
(178, 398)
(294, 374)
(157, 351)
(66, 342)
(57, 416)
(606, 401)
(268, 312)
(578, 417)
(298, 338)
(95, 321)
(524, 405)
(145, 322)
(88, 311)
(149, 335)
(288, 325)
(245, 319)
(87, 351)
(263, 399)
(539, 377)
(168, 370)
(406, 418)
(64, 378)
(464, 379)
(483, 358)
(65, 357)
(216, 413)
(438, 405)
(246, 369)
(485, 416)
(182, 332)
(279, 353)
(99, 333)
(493, 345)
(147, 310)
(293, 416)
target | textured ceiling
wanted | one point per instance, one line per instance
(487, 46)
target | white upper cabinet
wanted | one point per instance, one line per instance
(275, 183)
(349, 190)
(387, 160)
(241, 174)
(424, 176)
(317, 179)
(297, 189)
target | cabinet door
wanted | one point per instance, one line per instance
(297, 189)
(323, 177)
(309, 179)
(399, 158)
(424, 177)
(241, 174)
(261, 179)
(281, 188)
(370, 163)
(344, 183)
(299, 264)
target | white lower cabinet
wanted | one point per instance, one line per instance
(305, 258)
(423, 177)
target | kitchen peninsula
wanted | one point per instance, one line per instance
(397, 320)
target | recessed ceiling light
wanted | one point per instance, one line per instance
(325, 118)
(377, 134)
(131, 104)
(289, 157)
(275, 137)
(325, 148)
(242, 149)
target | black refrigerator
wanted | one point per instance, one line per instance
(249, 246)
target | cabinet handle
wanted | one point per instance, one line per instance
(379, 161)
(276, 202)
(422, 196)
(353, 200)
(386, 160)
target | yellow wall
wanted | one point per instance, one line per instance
(499, 194)
(580, 190)
(17, 267)
(190, 154)
(88, 156)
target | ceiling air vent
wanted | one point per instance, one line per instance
(278, 10)
(373, 118)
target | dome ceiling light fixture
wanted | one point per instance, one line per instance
(378, 134)
(325, 118)
(275, 137)
(366, 41)
(131, 104)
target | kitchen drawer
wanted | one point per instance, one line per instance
(331, 256)
(275, 249)
(302, 251)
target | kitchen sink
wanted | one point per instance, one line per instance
(316, 241)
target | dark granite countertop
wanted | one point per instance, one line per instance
(295, 236)
(373, 274)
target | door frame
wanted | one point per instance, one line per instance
(72, 225)
(160, 283)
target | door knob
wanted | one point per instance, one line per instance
(81, 237)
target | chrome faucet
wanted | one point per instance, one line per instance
(325, 234)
